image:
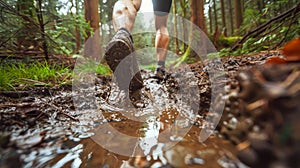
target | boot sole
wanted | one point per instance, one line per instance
(116, 52)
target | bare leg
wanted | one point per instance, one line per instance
(162, 37)
(124, 13)
(161, 44)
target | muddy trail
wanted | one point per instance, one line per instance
(94, 127)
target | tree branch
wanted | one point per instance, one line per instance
(255, 32)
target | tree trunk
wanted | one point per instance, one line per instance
(77, 27)
(175, 27)
(42, 28)
(259, 5)
(92, 45)
(216, 34)
(196, 37)
(210, 20)
(215, 15)
(184, 13)
(224, 30)
(238, 13)
(28, 32)
(109, 17)
(242, 6)
(231, 17)
(197, 14)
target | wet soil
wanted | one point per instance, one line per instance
(58, 127)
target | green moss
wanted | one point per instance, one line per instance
(228, 41)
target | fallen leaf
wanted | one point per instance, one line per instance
(292, 50)
(276, 60)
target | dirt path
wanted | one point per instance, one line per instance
(42, 127)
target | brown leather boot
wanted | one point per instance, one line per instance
(128, 76)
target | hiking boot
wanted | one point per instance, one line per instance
(117, 50)
(160, 73)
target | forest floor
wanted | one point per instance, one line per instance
(60, 127)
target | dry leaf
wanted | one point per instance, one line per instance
(292, 50)
(275, 60)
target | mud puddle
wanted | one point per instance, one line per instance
(163, 133)
(45, 128)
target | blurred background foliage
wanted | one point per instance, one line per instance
(65, 28)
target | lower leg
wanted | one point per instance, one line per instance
(162, 38)
(161, 43)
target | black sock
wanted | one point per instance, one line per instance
(161, 64)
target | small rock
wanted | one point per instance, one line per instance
(248, 156)
(86, 135)
(190, 160)
(232, 123)
(28, 99)
(206, 152)
(10, 158)
(4, 140)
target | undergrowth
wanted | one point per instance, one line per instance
(21, 75)
(34, 74)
